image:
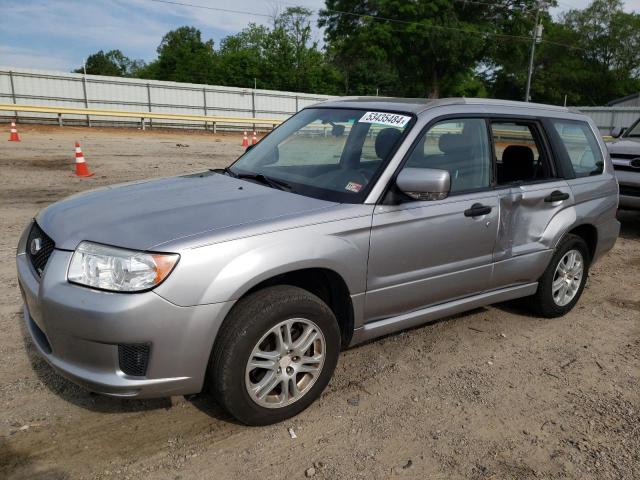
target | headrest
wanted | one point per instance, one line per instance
(519, 154)
(517, 164)
(386, 140)
(451, 142)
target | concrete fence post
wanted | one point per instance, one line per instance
(253, 106)
(149, 103)
(204, 107)
(86, 98)
(13, 91)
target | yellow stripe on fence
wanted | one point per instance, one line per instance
(59, 111)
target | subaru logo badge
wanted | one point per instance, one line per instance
(635, 163)
(35, 246)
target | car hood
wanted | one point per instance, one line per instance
(144, 214)
(624, 146)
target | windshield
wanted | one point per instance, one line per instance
(634, 130)
(333, 154)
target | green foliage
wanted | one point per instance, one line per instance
(184, 57)
(602, 62)
(113, 63)
(422, 48)
(427, 47)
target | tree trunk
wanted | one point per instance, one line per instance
(434, 91)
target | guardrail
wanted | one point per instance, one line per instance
(206, 119)
(143, 116)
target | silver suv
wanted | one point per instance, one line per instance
(355, 218)
(625, 155)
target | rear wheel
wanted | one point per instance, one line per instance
(274, 355)
(563, 281)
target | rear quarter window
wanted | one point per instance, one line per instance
(581, 147)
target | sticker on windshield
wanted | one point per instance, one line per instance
(382, 118)
(353, 187)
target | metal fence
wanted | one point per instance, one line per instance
(607, 118)
(49, 88)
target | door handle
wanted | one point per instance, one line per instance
(556, 196)
(476, 210)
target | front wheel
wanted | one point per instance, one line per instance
(563, 281)
(274, 355)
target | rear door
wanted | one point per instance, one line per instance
(531, 192)
(428, 252)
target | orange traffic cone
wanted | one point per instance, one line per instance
(81, 165)
(245, 140)
(254, 140)
(14, 137)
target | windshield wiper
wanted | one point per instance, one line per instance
(225, 170)
(271, 182)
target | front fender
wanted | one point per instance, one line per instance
(225, 271)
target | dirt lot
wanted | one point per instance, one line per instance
(492, 394)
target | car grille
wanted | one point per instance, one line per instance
(134, 358)
(624, 156)
(629, 191)
(39, 248)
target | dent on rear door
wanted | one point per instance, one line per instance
(527, 229)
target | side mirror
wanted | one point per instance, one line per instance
(616, 132)
(424, 183)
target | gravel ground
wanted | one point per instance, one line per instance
(491, 394)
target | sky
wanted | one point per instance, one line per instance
(59, 34)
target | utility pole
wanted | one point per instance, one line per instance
(537, 37)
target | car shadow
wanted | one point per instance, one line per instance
(629, 224)
(77, 395)
(450, 318)
(67, 390)
(70, 392)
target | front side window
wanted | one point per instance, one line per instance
(581, 146)
(460, 146)
(328, 153)
(519, 154)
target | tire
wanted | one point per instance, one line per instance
(544, 302)
(250, 333)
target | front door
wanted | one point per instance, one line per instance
(428, 252)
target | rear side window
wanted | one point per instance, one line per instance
(460, 146)
(519, 153)
(581, 146)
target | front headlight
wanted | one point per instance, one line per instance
(118, 269)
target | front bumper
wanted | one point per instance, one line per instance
(629, 183)
(77, 330)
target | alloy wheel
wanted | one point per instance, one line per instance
(285, 363)
(567, 277)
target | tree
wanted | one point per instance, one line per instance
(610, 49)
(184, 57)
(113, 63)
(282, 57)
(590, 56)
(427, 45)
(241, 57)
